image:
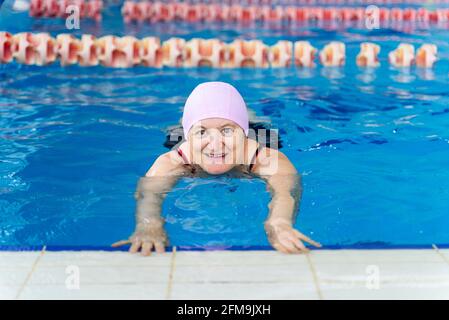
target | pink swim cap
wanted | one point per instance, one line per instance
(215, 100)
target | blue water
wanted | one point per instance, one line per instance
(372, 145)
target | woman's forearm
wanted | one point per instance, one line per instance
(150, 194)
(148, 208)
(286, 195)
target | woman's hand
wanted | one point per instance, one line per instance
(283, 237)
(147, 237)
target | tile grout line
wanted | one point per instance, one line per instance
(440, 253)
(33, 268)
(314, 276)
(170, 275)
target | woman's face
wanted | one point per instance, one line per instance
(217, 145)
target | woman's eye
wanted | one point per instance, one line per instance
(200, 132)
(227, 131)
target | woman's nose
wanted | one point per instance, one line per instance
(215, 140)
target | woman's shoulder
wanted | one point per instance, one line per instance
(272, 161)
(167, 164)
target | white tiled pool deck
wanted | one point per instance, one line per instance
(321, 274)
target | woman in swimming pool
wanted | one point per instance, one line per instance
(215, 124)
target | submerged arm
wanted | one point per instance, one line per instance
(150, 194)
(284, 184)
(285, 190)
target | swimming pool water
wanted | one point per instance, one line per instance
(372, 145)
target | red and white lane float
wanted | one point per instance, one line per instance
(58, 8)
(34, 49)
(68, 49)
(6, 47)
(268, 13)
(368, 56)
(426, 56)
(333, 54)
(127, 11)
(93, 9)
(24, 48)
(160, 11)
(88, 54)
(118, 52)
(173, 52)
(252, 53)
(402, 56)
(351, 14)
(200, 52)
(304, 54)
(215, 12)
(281, 54)
(45, 48)
(241, 13)
(140, 11)
(37, 8)
(191, 13)
(151, 52)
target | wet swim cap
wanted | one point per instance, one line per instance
(214, 100)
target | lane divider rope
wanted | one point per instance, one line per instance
(125, 52)
(243, 11)
(158, 11)
(59, 8)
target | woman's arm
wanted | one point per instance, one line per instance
(151, 191)
(284, 184)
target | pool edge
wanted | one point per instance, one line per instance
(221, 248)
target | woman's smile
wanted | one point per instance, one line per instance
(215, 158)
(215, 155)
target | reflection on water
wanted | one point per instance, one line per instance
(70, 158)
(208, 210)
